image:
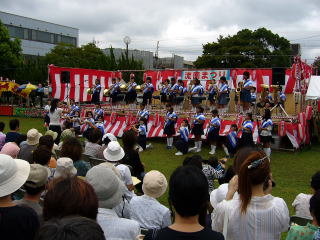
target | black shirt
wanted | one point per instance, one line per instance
(168, 233)
(18, 223)
(132, 158)
(12, 136)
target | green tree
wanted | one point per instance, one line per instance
(10, 53)
(259, 48)
(316, 66)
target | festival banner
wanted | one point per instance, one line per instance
(158, 77)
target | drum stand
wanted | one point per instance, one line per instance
(277, 106)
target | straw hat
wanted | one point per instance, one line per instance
(154, 184)
(33, 136)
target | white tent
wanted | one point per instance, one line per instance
(313, 92)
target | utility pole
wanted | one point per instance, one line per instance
(156, 55)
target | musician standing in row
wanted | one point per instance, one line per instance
(164, 93)
(96, 92)
(223, 93)
(131, 94)
(197, 128)
(148, 91)
(196, 92)
(169, 125)
(212, 91)
(182, 90)
(173, 91)
(245, 92)
(246, 139)
(115, 90)
(266, 132)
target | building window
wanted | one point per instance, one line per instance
(43, 36)
(34, 35)
(25, 33)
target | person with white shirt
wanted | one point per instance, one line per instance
(253, 213)
(156, 215)
(109, 190)
(114, 153)
(55, 117)
(301, 203)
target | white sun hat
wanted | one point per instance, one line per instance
(13, 174)
(114, 152)
(33, 136)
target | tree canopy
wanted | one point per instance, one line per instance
(10, 53)
(246, 49)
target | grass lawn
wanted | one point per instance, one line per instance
(292, 171)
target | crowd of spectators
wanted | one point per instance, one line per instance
(50, 190)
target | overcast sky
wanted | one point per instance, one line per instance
(180, 26)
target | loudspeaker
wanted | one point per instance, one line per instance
(65, 77)
(278, 76)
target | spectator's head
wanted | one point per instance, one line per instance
(54, 104)
(108, 137)
(13, 174)
(195, 160)
(154, 184)
(41, 155)
(107, 186)
(46, 141)
(14, 125)
(69, 197)
(114, 152)
(254, 172)
(33, 136)
(65, 168)
(37, 180)
(70, 228)
(315, 182)
(10, 149)
(21, 138)
(315, 207)
(71, 148)
(188, 191)
(95, 136)
(67, 133)
(129, 139)
(2, 125)
(51, 133)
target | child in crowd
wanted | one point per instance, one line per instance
(100, 123)
(182, 144)
(197, 129)
(142, 133)
(97, 112)
(76, 122)
(90, 124)
(143, 112)
(169, 125)
(230, 144)
(213, 131)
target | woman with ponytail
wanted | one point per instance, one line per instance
(251, 211)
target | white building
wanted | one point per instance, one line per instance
(38, 37)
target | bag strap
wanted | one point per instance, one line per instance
(226, 219)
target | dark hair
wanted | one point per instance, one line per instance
(129, 140)
(34, 191)
(2, 125)
(315, 181)
(229, 174)
(98, 104)
(144, 120)
(21, 137)
(87, 113)
(148, 79)
(54, 105)
(180, 81)
(167, 80)
(41, 155)
(253, 176)
(315, 206)
(47, 141)
(267, 114)
(168, 105)
(70, 228)
(14, 124)
(215, 111)
(200, 108)
(234, 126)
(142, 105)
(188, 191)
(213, 162)
(97, 80)
(246, 73)
(197, 81)
(187, 122)
(249, 115)
(70, 196)
(71, 148)
(223, 78)
(195, 161)
(254, 88)
(95, 136)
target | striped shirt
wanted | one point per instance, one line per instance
(248, 83)
(223, 88)
(132, 87)
(165, 89)
(149, 88)
(214, 123)
(172, 115)
(282, 96)
(97, 89)
(198, 117)
(268, 124)
(212, 89)
(197, 90)
(247, 125)
(253, 97)
(174, 88)
(184, 133)
(97, 112)
(232, 137)
(143, 114)
(142, 130)
(116, 88)
(100, 125)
